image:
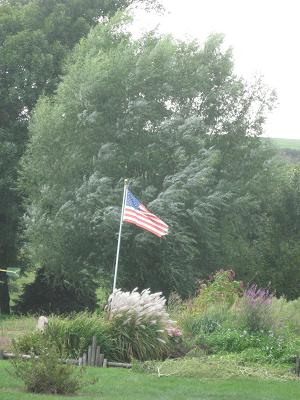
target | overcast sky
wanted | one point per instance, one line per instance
(264, 35)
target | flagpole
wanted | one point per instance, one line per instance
(120, 231)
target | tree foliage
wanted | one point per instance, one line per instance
(41, 297)
(278, 250)
(35, 38)
(175, 119)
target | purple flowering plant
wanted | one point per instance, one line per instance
(256, 309)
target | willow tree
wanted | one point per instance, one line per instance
(35, 38)
(149, 110)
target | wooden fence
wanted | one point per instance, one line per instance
(93, 357)
(297, 370)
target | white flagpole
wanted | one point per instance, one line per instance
(120, 231)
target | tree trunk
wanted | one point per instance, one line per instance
(4, 294)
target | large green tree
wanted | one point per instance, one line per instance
(35, 38)
(173, 118)
(277, 248)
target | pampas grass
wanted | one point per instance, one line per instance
(140, 322)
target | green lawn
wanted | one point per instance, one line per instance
(12, 327)
(119, 384)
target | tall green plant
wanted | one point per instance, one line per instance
(255, 309)
(71, 336)
(220, 289)
(47, 374)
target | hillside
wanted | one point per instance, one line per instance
(293, 144)
(288, 149)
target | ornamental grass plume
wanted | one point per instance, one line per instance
(140, 323)
(139, 307)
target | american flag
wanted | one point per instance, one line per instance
(137, 214)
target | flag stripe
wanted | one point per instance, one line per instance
(133, 213)
(141, 223)
(142, 220)
(155, 219)
(149, 214)
(157, 222)
(147, 228)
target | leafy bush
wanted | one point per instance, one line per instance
(255, 309)
(270, 347)
(228, 340)
(31, 343)
(203, 323)
(221, 288)
(46, 374)
(214, 317)
(139, 323)
(208, 324)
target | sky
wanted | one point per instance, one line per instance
(264, 36)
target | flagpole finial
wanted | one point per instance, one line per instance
(126, 181)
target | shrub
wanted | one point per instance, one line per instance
(221, 288)
(46, 374)
(196, 324)
(140, 323)
(225, 340)
(213, 318)
(269, 347)
(31, 343)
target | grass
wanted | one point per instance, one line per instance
(286, 143)
(17, 283)
(124, 385)
(13, 327)
(215, 366)
(206, 378)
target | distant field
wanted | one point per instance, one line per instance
(286, 143)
